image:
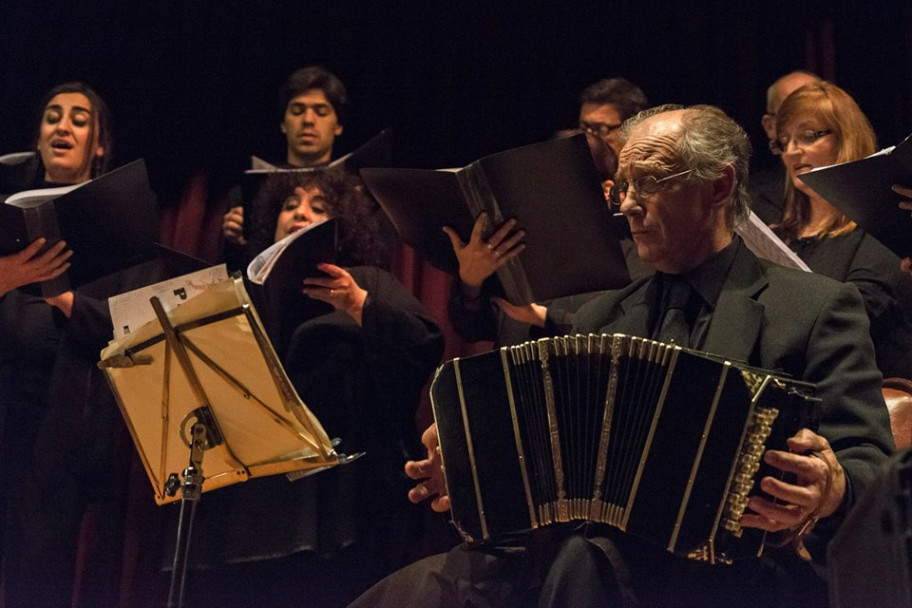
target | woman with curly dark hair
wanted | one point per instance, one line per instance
(360, 369)
(364, 232)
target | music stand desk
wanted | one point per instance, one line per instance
(265, 426)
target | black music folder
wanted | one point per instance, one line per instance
(17, 171)
(376, 152)
(275, 280)
(861, 189)
(553, 191)
(110, 223)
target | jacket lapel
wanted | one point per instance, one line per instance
(738, 316)
(636, 318)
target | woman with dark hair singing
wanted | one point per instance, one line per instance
(48, 380)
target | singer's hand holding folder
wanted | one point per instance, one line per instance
(552, 190)
(110, 223)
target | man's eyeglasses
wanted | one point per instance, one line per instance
(807, 137)
(645, 186)
(600, 129)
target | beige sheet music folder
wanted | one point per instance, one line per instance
(267, 429)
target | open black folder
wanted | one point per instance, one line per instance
(17, 171)
(862, 190)
(376, 152)
(275, 280)
(110, 223)
(553, 191)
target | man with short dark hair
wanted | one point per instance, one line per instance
(605, 104)
(312, 103)
(681, 183)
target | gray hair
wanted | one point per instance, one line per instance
(709, 142)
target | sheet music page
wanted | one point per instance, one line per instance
(132, 309)
(258, 164)
(15, 158)
(32, 198)
(765, 244)
(258, 269)
(884, 152)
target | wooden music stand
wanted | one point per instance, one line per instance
(204, 378)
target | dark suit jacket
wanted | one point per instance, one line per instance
(805, 325)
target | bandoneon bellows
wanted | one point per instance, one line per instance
(650, 438)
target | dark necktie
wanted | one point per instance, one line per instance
(674, 326)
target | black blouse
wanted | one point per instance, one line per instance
(860, 259)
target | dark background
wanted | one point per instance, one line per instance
(193, 83)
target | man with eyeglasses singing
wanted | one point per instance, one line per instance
(682, 186)
(476, 315)
(605, 104)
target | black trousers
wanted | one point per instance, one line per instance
(595, 567)
(555, 569)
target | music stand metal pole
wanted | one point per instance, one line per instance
(205, 434)
(191, 487)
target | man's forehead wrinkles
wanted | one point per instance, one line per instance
(646, 153)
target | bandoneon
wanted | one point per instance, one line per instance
(653, 439)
